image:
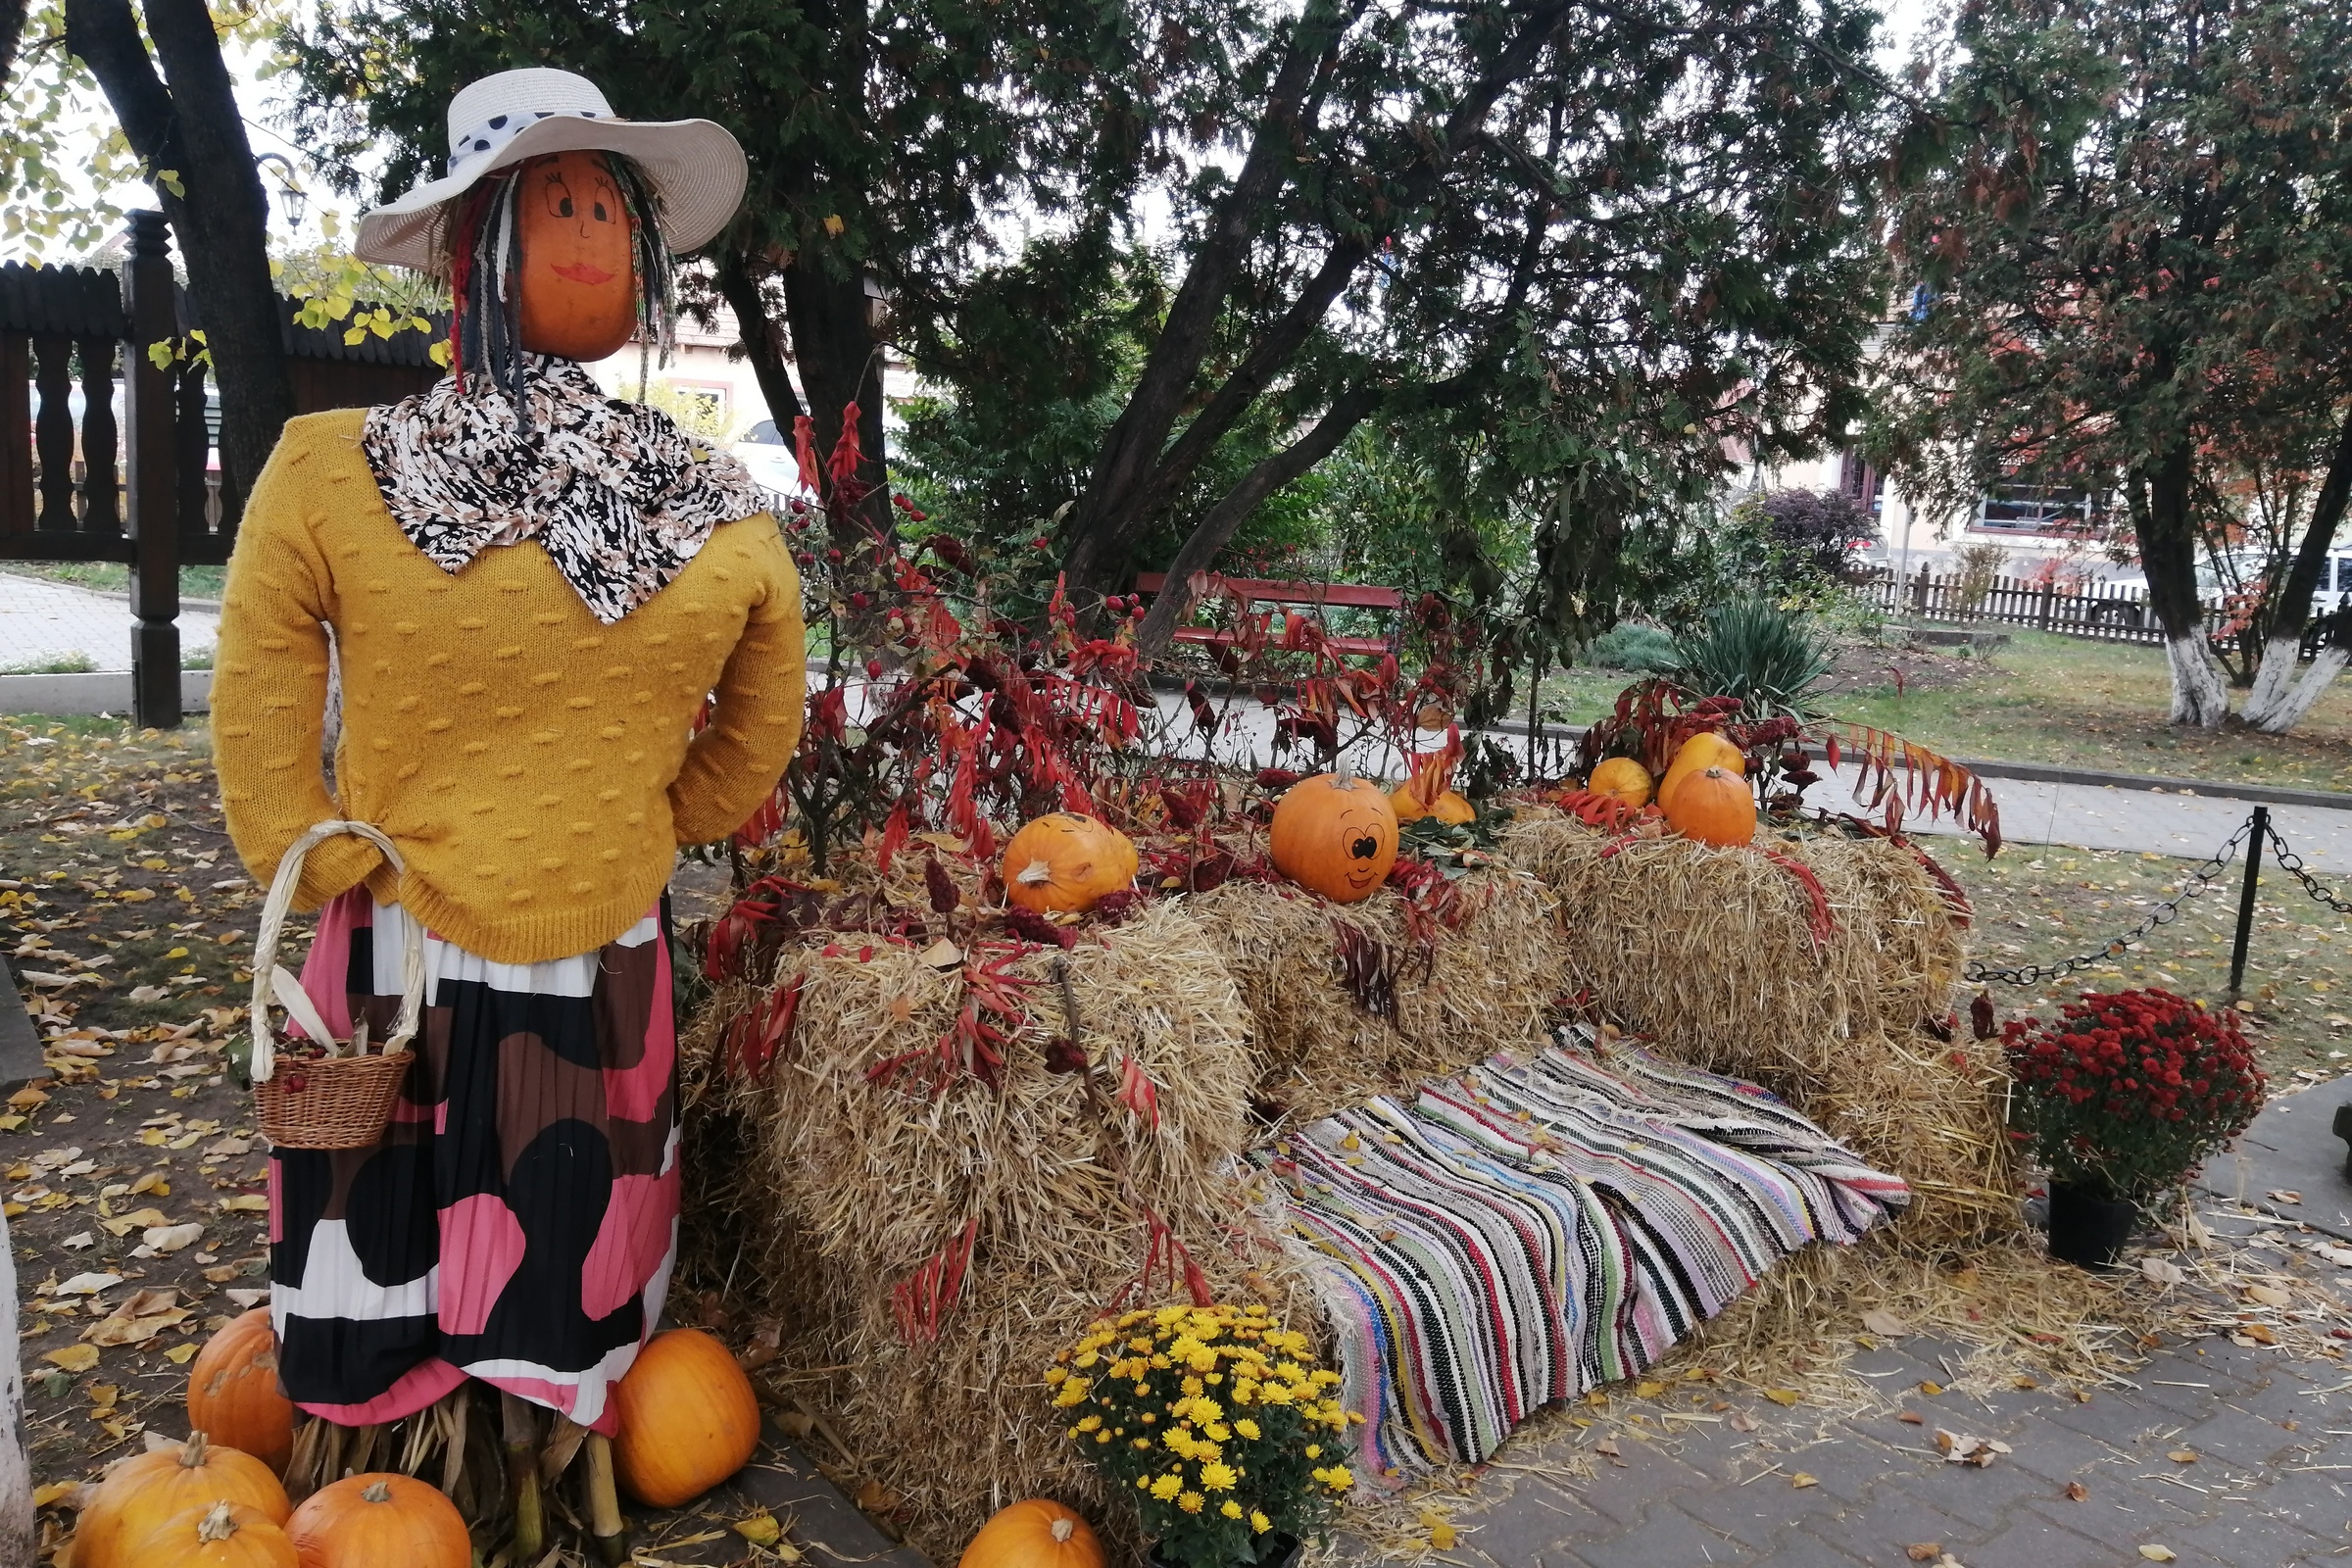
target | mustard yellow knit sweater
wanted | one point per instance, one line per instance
(533, 765)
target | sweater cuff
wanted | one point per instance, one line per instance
(334, 867)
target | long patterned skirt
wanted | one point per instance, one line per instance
(518, 1220)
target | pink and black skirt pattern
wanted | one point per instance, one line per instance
(517, 1222)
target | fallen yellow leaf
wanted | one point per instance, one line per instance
(2182, 1456)
(1803, 1479)
(73, 1358)
(2269, 1295)
(1782, 1396)
(47, 1493)
(760, 1530)
(246, 1204)
(181, 1354)
(1648, 1390)
(151, 1182)
(2158, 1554)
(1931, 1389)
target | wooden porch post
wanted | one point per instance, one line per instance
(151, 477)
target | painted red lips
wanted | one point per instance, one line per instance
(583, 273)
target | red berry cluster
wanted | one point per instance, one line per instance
(2131, 1088)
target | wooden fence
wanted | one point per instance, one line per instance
(106, 456)
(2105, 615)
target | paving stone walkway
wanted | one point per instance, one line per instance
(2266, 1486)
(43, 621)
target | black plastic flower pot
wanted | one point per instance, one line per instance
(1281, 1551)
(2088, 1228)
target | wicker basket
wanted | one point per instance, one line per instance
(344, 1098)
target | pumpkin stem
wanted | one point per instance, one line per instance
(1063, 1529)
(376, 1492)
(1342, 775)
(216, 1525)
(192, 1452)
(1035, 873)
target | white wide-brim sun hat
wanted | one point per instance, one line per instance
(696, 167)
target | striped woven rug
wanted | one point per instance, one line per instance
(1536, 1227)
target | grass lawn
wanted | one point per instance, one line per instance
(2050, 698)
(2036, 905)
(110, 576)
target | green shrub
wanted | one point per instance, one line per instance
(1757, 652)
(1644, 650)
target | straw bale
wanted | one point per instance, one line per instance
(1709, 952)
(857, 1184)
(1488, 985)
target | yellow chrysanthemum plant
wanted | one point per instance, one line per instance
(1218, 1421)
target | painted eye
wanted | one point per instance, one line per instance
(1363, 847)
(602, 216)
(558, 199)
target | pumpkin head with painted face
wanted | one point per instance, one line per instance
(577, 269)
(1337, 834)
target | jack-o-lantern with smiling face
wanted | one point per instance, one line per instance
(578, 267)
(1336, 834)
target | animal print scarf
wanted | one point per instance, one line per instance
(618, 495)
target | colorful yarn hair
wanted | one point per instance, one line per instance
(482, 258)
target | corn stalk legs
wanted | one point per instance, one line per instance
(605, 1523)
(521, 1429)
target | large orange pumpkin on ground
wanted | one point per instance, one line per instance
(211, 1535)
(143, 1494)
(1449, 807)
(1063, 862)
(233, 1396)
(1714, 806)
(1621, 778)
(688, 1419)
(1703, 751)
(1035, 1533)
(388, 1519)
(1333, 833)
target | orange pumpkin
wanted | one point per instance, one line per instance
(576, 271)
(150, 1489)
(1714, 806)
(233, 1396)
(1336, 834)
(1704, 750)
(1064, 863)
(213, 1535)
(1034, 1532)
(362, 1521)
(1449, 807)
(688, 1419)
(1621, 778)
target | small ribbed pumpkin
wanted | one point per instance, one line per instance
(1714, 806)
(1034, 1532)
(688, 1419)
(150, 1489)
(211, 1535)
(1064, 863)
(1704, 750)
(363, 1521)
(1336, 834)
(1621, 778)
(233, 1396)
(1449, 807)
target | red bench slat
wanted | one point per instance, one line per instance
(1211, 637)
(1345, 595)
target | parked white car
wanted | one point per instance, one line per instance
(768, 452)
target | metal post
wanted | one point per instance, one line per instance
(2245, 900)
(151, 477)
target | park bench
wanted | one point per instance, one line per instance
(1320, 597)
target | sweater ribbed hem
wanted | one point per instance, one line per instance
(533, 938)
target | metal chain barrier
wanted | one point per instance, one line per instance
(2197, 881)
(2291, 862)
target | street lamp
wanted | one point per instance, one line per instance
(289, 187)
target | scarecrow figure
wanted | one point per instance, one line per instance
(532, 591)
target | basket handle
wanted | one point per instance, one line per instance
(272, 981)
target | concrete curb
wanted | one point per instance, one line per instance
(104, 691)
(21, 1057)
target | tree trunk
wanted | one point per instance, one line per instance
(193, 130)
(2168, 553)
(1212, 533)
(840, 360)
(2283, 691)
(12, 34)
(742, 288)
